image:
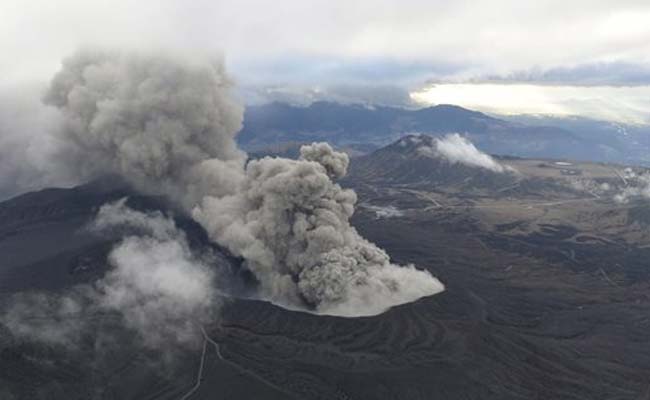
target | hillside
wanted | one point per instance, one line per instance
(363, 129)
(535, 302)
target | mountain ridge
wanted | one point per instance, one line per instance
(366, 128)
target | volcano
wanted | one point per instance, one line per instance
(513, 322)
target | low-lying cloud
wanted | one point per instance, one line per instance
(163, 290)
(48, 318)
(385, 211)
(156, 284)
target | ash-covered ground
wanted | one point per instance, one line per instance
(546, 296)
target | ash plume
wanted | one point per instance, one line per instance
(27, 143)
(168, 126)
(290, 222)
(151, 118)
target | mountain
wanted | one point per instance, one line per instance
(363, 128)
(490, 335)
(626, 143)
(413, 161)
(45, 241)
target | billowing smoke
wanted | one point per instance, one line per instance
(168, 126)
(159, 287)
(637, 186)
(457, 149)
(290, 222)
(590, 186)
(151, 118)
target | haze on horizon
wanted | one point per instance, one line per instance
(586, 57)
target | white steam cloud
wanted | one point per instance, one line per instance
(47, 318)
(160, 288)
(385, 211)
(637, 186)
(457, 149)
(168, 126)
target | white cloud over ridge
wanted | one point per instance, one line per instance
(457, 149)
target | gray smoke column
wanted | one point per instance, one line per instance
(151, 118)
(168, 126)
(290, 222)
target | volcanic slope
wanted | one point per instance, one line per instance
(522, 316)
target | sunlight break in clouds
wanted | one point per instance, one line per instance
(628, 104)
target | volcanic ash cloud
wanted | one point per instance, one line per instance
(168, 126)
(290, 222)
(151, 118)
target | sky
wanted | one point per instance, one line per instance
(579, 57)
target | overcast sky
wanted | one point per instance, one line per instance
(586, 57)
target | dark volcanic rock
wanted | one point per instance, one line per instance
(532, 330)
(44, 238)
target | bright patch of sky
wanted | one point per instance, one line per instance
(629, 104)
(555, 56)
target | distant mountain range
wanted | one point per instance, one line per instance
(361, 129)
